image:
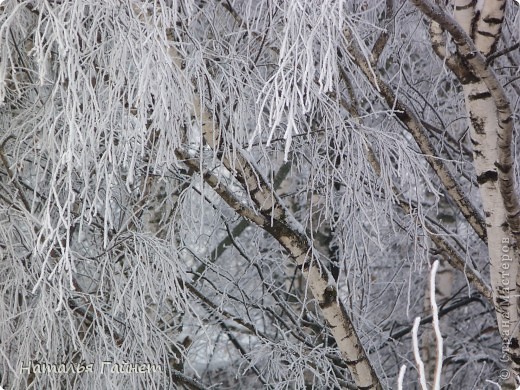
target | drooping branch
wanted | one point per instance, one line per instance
(410, 119)
(475, 33)
(320, 282)
(383, 37)
(449, 253)
(472, 56)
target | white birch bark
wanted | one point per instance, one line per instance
(483, 26)
(289, 234)
(271, 215)
(476, 32)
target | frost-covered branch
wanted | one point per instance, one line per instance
(448, 251)
(141, 139)
(414, 125)
(383, 37)
(473, 55)
(319, 279)
(476, 32)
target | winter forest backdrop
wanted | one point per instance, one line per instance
(243, 194)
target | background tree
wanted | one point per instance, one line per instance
(248, 194)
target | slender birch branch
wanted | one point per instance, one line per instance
(400, 378)
(416, 128)
(475, 35)
(449, 253)
(382, 40)
(477, 62)
(320, 282)
(273, 217)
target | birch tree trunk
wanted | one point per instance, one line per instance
(476, 32)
